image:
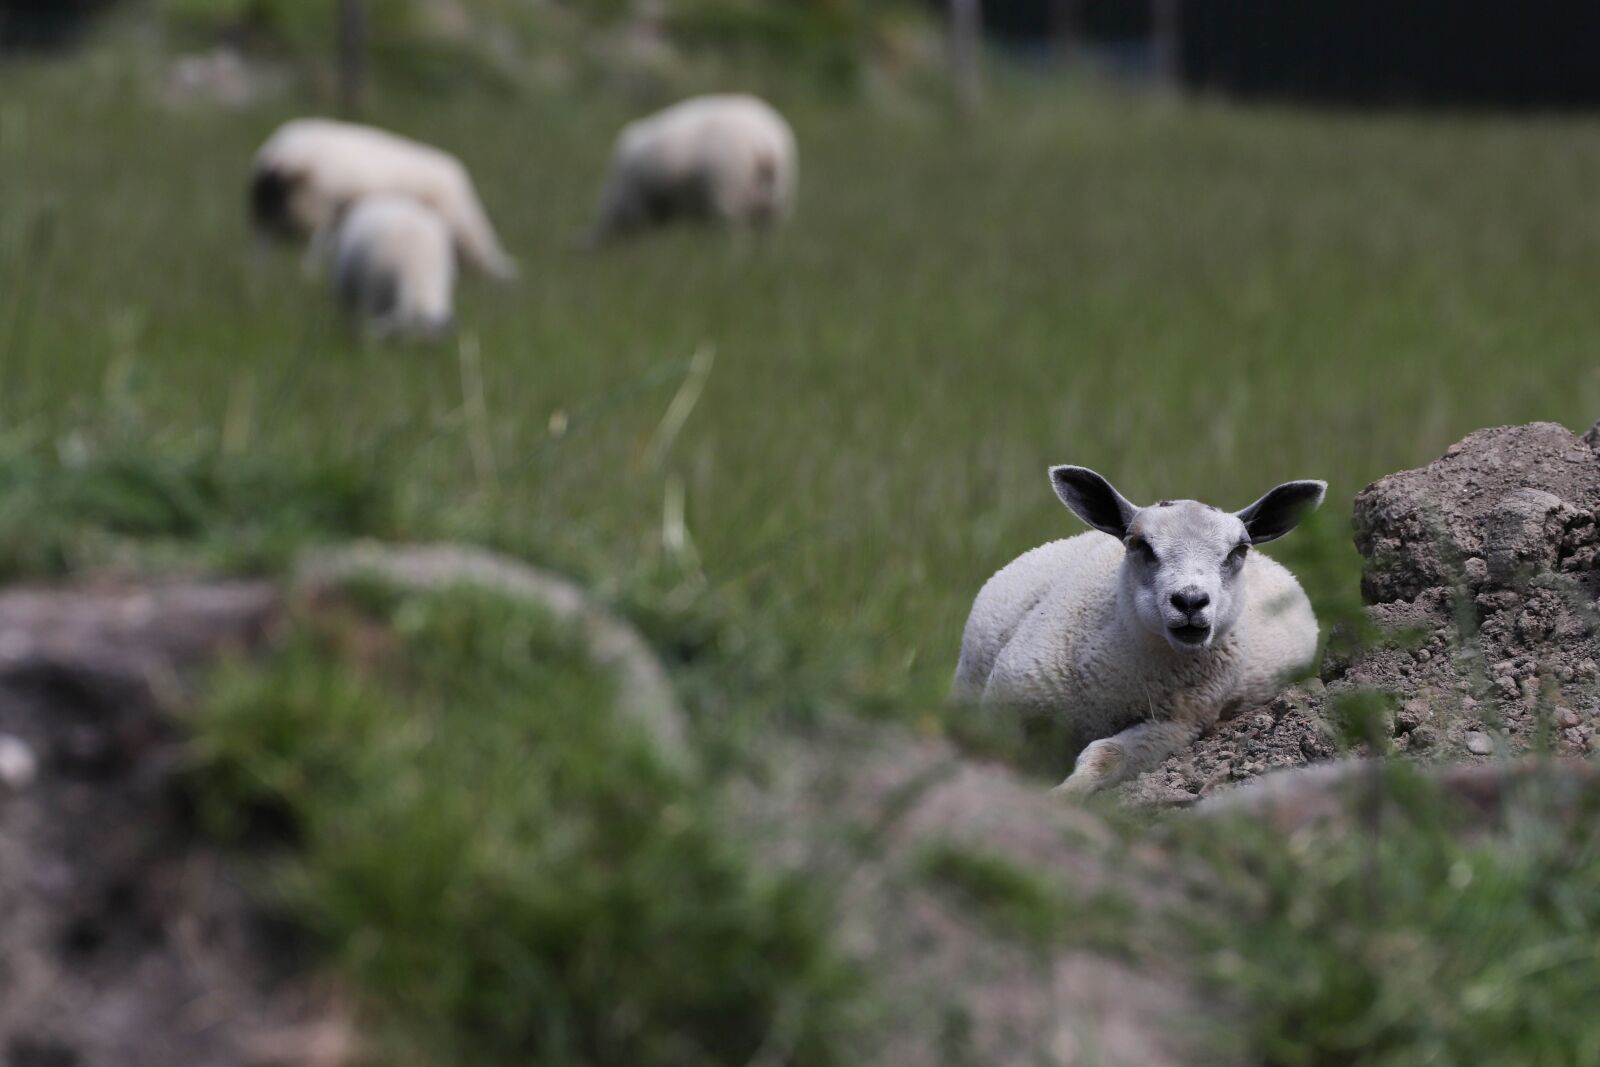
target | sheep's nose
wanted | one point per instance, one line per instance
(1190, 600)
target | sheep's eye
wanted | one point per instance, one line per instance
(1238, 554)
(1141, 548)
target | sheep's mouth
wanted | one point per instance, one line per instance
(1189, 633)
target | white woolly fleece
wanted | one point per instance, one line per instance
(393, 265)
(1049, 636)
(729, 158)
(330, 164)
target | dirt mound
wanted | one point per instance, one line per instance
(1501, 508)
(951, 874)
(127, 941)
(1482, 569)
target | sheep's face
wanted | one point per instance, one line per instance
(1183, 574)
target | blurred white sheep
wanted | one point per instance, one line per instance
(728, 159)
(394, 268)
(310, 170)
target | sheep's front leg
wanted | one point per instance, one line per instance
(1116, 759)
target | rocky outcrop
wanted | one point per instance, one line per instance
(1499, 509)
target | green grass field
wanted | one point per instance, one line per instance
(1194, 298)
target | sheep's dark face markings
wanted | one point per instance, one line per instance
(1183, 574)
(271, 202)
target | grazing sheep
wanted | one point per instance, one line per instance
(309, 170)
(728, 159)
(393, 267)
(1139, 641)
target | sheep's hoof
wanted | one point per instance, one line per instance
(1074, 789)
(1098, 765)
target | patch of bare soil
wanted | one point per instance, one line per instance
(1483, 567)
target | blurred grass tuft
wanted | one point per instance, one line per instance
(499, 865)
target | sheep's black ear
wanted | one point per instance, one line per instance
(1281, 510)
(1093, 499)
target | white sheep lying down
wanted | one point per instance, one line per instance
(726, 158)
(394, 267)
(1139, 641)
(310, 170)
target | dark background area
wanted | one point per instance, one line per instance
(1377, 51)
(1363, 52)
(44, 24)
(1464, 52)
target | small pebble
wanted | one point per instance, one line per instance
(18, 767)
(1412, 714)
(1566, 717)
(1478, 743)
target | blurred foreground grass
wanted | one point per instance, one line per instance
(1431, 938)
(504, 869)
(1194, 299)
